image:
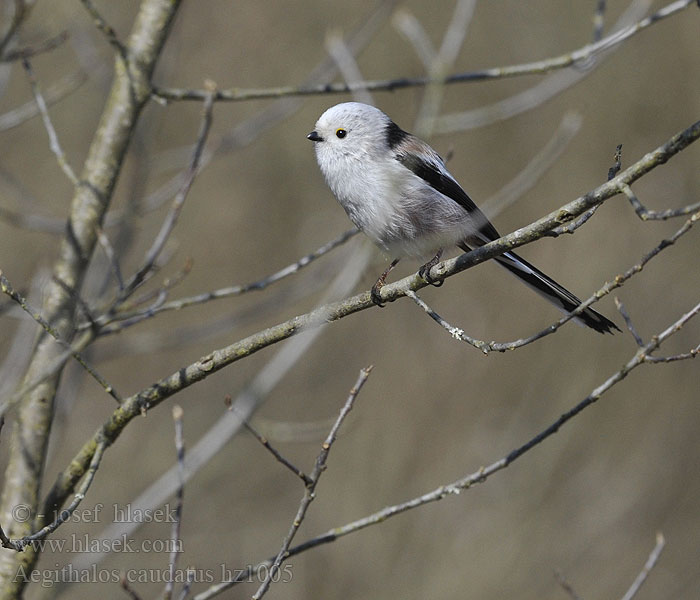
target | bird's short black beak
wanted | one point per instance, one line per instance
(314, 137)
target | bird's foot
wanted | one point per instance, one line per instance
(424, 271)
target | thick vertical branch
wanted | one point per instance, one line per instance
(130, 91)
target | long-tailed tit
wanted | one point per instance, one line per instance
(396, 189)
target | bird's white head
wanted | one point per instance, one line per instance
(350, 130)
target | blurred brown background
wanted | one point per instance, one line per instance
(587, 502)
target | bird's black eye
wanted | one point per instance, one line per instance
(341, 133)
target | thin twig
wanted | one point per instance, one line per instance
(111, 257)
(179, 496)
(64, 515)
(628, 322)
(316, 473)
(617, 282)
(160, 293)
(657, 215)
(575, 224)
(265, 442)
(6, 288)
(648, 566)
(30, 51)
(189, 580)
(106, 29)
(127, 588)
(675, 357)
(617, 165)
(538, 67)
(53, 138)
(178, 201)
(131, 318)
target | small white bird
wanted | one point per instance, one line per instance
(396, 189)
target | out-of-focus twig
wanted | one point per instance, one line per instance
(179, 497)
(539, 164)
(648, 566)
(53, 137)
(55, 92)
(29, 51)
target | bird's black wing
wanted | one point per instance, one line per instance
(439, 179)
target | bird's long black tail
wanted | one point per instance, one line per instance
(549, 289)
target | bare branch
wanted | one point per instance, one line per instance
(675, 357)
(131, 318)
(583, 219)
(309, 492)
(659, 215)
(130, 91)
(628, 322)
(20, 544)
(265, 442)
(550, 86)
(106, 29)
(559, 62)
(127, 588)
